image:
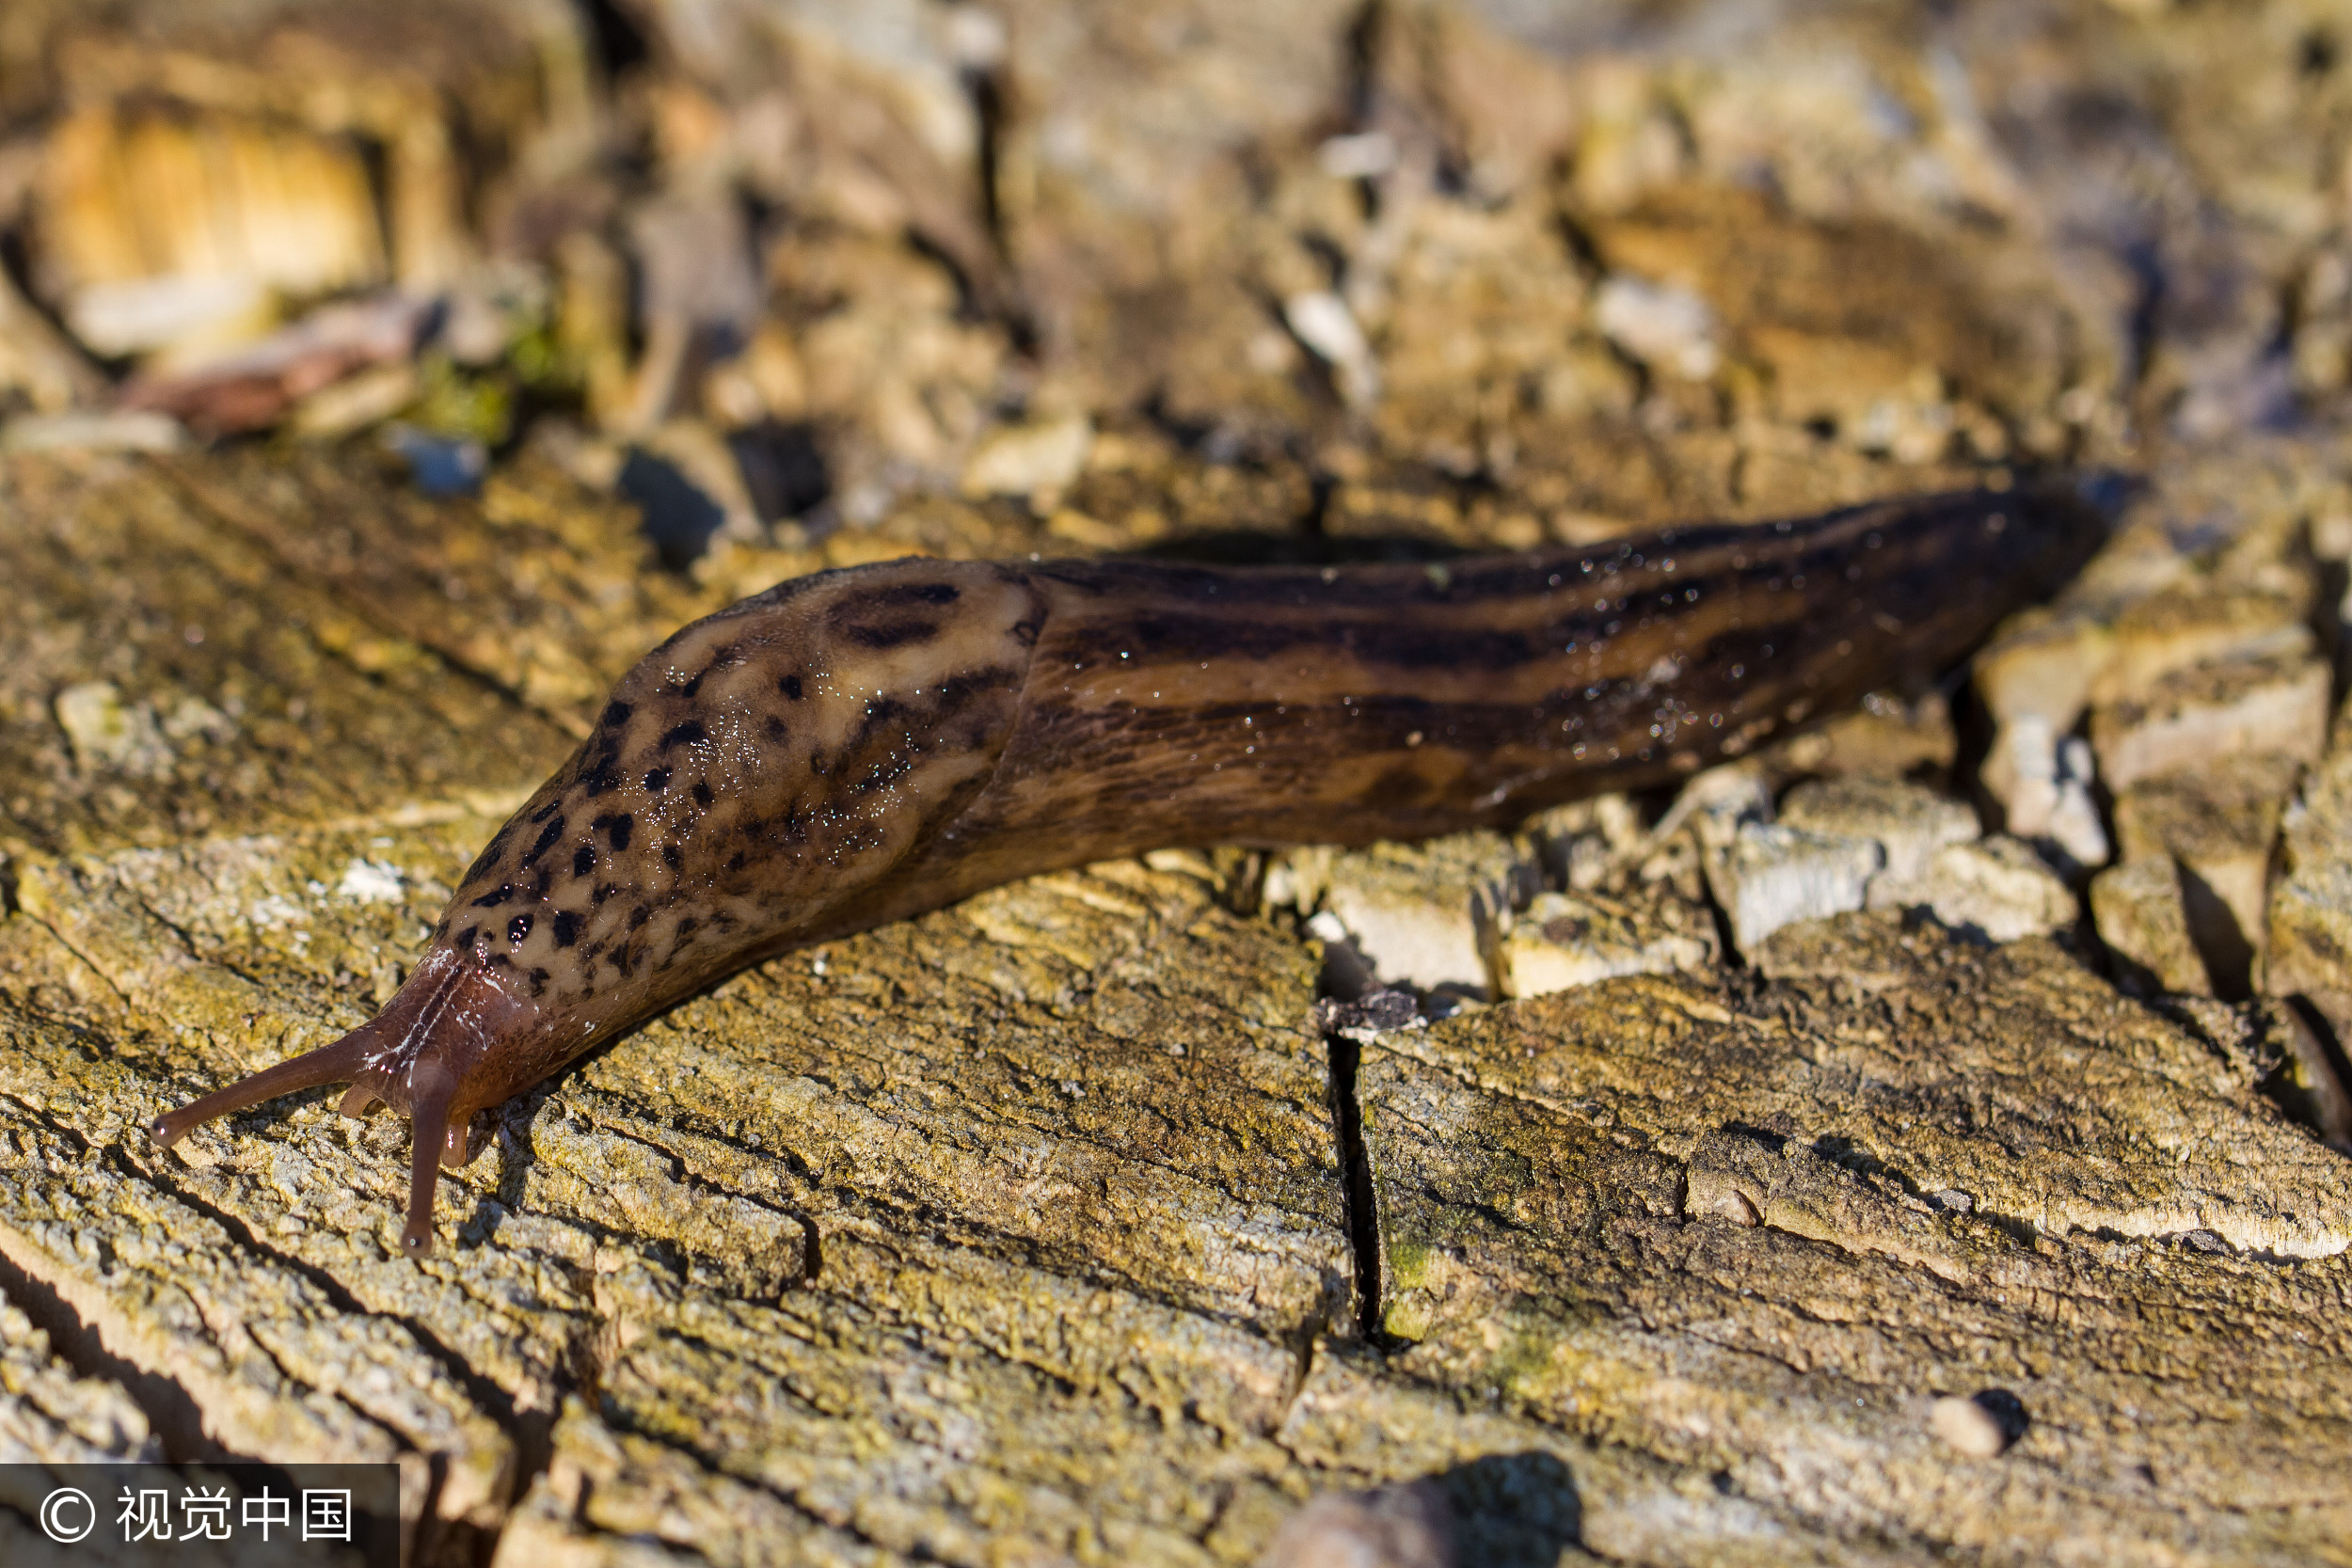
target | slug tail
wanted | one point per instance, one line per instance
(340, 1062)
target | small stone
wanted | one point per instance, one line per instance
(1584, 842)
(1365, 155)
(2187, 719)
(2074, 824)
(1718, 1188)
(2045, 779)
(1375, 1013)
(1716, 804)
(1968, 1427)
(1431, 915)
(373, 882)
(1564, 940)
(1659, 324)
(1324, 324)
(1773, 876)
(1997, 890)
(2043, 669)
(110, 733)
(2136, 906)
(1907, 821)
(2332, 529)
(440, 465)
(1040, 458)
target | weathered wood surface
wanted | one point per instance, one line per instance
(1017, 1232)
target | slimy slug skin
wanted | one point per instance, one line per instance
(854, 746)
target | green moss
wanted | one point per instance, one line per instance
(460, 402)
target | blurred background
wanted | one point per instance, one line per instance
(780, 275)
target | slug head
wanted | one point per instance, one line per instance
(448, 1045)
(746, 784)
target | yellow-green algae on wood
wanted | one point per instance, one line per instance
(267, 699)
(1754, 1231)
(937, 1199)
(1015, 1234)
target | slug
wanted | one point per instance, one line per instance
(859, 746)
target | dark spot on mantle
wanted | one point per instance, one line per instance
(891, 634)
(547, 835)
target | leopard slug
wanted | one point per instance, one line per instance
(859, 746)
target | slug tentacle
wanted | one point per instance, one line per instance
(431, 1131)
(423, 1056)
(330, 1064)
(859, 746)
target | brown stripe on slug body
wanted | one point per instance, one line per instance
(858, 746)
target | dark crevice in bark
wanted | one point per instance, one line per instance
(1727, 952)
(172, 1413)
(532, 1432)
(1357, 1202)
(615, 37)
(713, 1461)
(2325, 1104)
(2226, 950)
